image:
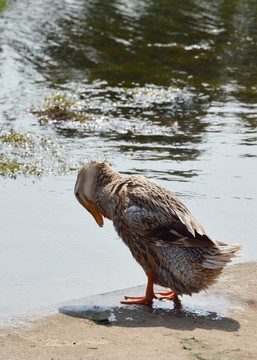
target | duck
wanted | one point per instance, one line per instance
(163, 236)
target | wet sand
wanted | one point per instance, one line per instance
(218, 324)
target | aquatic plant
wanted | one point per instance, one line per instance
(32, 154)
(60, 107)
(14, 138)
(2, 4)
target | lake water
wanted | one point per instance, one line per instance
(168, 91)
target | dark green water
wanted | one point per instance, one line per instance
(167, 90)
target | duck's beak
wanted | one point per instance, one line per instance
(96, 214)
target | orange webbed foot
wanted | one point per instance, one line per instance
(143, 300)
(148, 300)
(137, 300)
(150, 295)
(169, 295)
(166, 295)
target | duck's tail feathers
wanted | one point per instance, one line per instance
(218, 256)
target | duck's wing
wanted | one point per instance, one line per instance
(159, 218)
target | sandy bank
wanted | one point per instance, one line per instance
(220, 324)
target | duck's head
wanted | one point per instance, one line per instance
(84, 190)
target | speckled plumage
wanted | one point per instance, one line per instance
(160, 232)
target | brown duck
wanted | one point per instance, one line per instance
(162, 235)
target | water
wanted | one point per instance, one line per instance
(168, 92)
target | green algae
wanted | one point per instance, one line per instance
(2, 5)
(15, 138)
(9, 168)
(60, 107)
(31, 154)
(13, 168)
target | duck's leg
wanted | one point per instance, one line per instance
(149, 295)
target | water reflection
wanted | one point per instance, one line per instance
(157, 43)
(153, 78)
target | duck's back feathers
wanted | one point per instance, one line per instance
(159, 217)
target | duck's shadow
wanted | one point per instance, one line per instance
(143, 316)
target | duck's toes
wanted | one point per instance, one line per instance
(169, 295)
(140, 300)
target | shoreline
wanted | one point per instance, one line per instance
(217, 324)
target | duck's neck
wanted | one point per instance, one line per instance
(106, 181)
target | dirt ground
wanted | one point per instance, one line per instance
(100, 328)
